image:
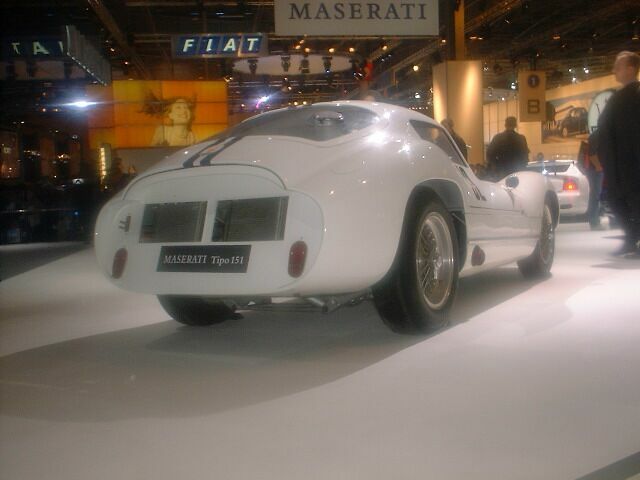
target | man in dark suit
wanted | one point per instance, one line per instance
(619, 150)
(508, 151)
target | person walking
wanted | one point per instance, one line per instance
(619, 150)
(447, 123)
(508, 151)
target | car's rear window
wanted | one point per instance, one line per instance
(556, 168)
(316, 122)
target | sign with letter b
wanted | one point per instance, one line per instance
(532, 85)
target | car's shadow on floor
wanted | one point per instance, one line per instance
(166, 370)
(479, 293)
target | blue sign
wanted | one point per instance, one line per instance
(30, 47)
(209, 45)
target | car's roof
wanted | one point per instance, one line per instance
(381, 108)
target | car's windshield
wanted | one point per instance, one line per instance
(316, 122)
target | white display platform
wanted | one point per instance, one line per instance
(532, 381)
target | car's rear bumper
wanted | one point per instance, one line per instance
(573, 203)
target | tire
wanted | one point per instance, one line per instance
(538, 264)
(411, 299)
(195, 311)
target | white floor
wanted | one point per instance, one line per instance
(532, 381)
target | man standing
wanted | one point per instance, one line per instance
(619, 150)
(508, 151)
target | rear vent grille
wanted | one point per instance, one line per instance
(255, 219)
(173, 222)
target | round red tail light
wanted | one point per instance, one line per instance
(119, 262)
(297, 257)
(569, 185)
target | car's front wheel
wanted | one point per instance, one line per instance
(417, 294)
(538, 264)
(195, 311)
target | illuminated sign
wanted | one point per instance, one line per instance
(532, 96)
(219, 46)
(33, 47)
(71, 45)
(353, 18)
(171, 113)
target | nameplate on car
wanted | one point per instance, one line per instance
(212, 258)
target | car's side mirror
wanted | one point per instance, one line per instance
(512, 182)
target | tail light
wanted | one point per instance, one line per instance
(569, 185)
(119, 262)
(297, 258)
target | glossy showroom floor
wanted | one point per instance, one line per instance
(532, 381)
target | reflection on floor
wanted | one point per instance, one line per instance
(533, 380)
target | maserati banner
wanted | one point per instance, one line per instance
(353, 18)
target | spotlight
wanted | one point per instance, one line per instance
(304, 65)
(253, 65)
(355, 69)
(416, 68)
(285, 62)
(326, 61)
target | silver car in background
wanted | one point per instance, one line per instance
(570, 183)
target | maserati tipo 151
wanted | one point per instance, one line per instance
(324, 205)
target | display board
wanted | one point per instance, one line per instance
(567, 119)
(134, 114)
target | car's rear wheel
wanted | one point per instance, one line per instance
(538, 264)
(417, 294)
(195, 311)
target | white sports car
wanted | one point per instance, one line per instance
(570, 183)
(328, 204)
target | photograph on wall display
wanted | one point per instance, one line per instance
(572, 118)
(138, 114)
(177, 114)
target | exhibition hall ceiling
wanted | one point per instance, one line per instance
(572, 40)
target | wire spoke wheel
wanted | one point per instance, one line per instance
(418, 292)
(547, 237)
(435, 260)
